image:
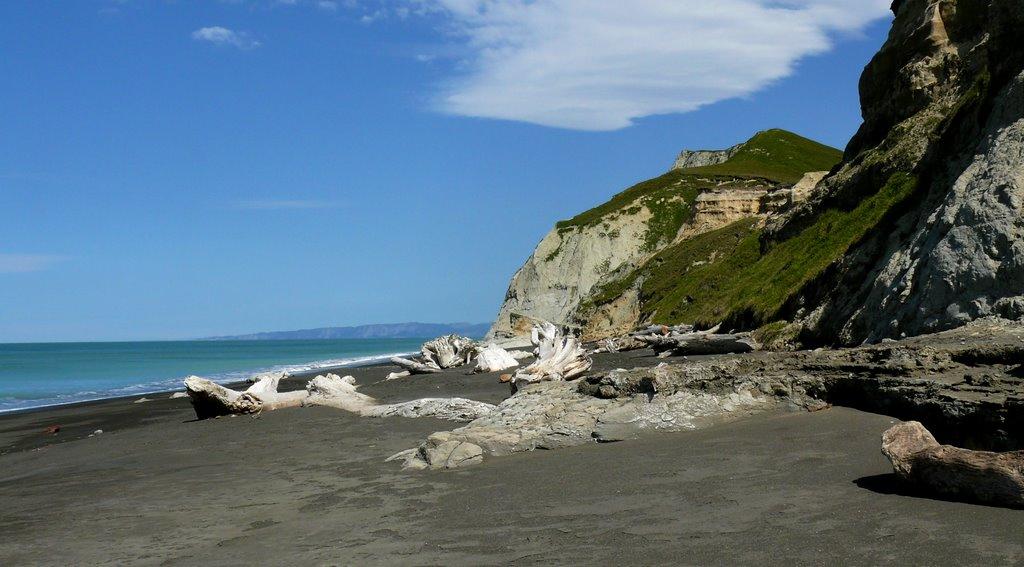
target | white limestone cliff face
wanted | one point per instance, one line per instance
(570, 263)
(566, 266)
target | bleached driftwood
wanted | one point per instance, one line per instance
(663, 330)
(451, 409)
(558, 357)
(397, 375)
(337, 392)
(618, 344)
(414, 367)
(701, 342)
(493, 358)
(210, 399)
(521, 354)
(993, 478)
(448, 351)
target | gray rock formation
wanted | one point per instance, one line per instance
(701, 158)
(943, 104)
(965, 384)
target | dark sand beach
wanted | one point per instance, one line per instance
(310, 486)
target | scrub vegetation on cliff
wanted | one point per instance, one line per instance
(773, 155)
(776, 155)
(729, 274)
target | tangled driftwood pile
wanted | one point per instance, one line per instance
(453, 351)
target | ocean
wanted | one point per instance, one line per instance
(46, 374)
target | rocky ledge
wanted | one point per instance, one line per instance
(964, 384)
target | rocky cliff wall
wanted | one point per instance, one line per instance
(943, 103)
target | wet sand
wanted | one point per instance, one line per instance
(309, 486)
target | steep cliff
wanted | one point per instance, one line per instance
(607, 242)
(943, 106)
(920, 229)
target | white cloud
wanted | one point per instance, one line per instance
(589, 65)
(284, 205)
(224, 36)
(24, 263)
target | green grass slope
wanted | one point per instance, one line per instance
(774, 155)
(725, 275)
(777, 155)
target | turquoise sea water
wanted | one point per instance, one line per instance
(43, 374)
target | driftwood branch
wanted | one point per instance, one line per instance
(211, 400)
(414, 367)
(992, 478)
(701, 342)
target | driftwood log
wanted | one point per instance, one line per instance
(917, 458)
(414, 367)
(701, 342)
(210, 399)
(493, 358)
(559, 357)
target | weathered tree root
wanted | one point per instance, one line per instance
(449, 351)
(917, 458)
(558, 357)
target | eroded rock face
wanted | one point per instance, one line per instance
(943, 103)
(566, 266)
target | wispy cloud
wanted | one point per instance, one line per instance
(589, 65)
(284, 205)
(224, 36)
(24, 263)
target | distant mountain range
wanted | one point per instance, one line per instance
(383, 331)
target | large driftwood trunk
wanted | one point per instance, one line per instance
(414, 367)
(558, 357)
(337, 392)
(210, 399)
(992, 478)
(493, 358)
(448, 351)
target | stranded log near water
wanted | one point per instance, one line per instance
(212, 400)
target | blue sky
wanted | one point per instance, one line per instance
(192, 168)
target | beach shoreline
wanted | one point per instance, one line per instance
(310, 485)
